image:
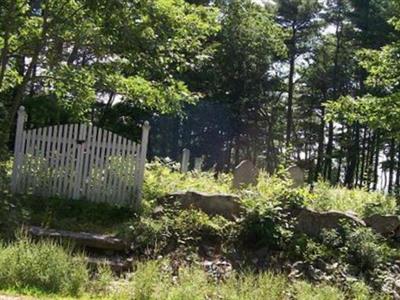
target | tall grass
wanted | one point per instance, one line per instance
(153, 280)
(161, 179)
(359, 201)
(42, 266)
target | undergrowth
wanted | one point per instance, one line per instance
(44, 266)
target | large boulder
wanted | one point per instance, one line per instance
(388, 226)
(225, 205)
(312, 223)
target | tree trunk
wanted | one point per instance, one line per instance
(320, 151)
(363, 159)
(329, 152)
(26, 78)
(376, 162)
(292, 66)
(391, 165)
(352, 157)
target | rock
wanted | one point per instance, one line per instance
(297, 175)
(224, 205)
(117, 265)
(218, 269)
(244, 174)
(388, 226)
(85, 239)
(312, 223)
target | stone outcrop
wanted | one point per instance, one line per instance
(225, 205)
(84, 239)
(388, 226)
(312, 223)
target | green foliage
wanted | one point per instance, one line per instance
(266, 221)
(359, 201)
(12, 214)
(75, 215)
(366, 250)
(44, 266)
(157, 280)
(176, 228)
(161, 179)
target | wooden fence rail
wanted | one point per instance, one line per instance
(79, 161)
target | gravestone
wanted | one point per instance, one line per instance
(244, 174)
(198, 163)
(297, 175)
(185, 160)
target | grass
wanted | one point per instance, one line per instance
(46, 270)
(161, 179)
(153, 280)
(359, 201)
(43, 266)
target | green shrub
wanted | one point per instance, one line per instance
(178, 228)
(267, 221)
(161, 179)
(360, 201)
(366, 250)
(12, 214)
(44, 266)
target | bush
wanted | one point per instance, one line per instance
(42, 266)
(176, 228)
(267, 221)
(366, 250)
(12, 215)
(162, 178)
(360, 201)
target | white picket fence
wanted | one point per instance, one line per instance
(79, 161)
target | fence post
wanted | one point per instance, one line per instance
(142, 164)
(21, 119)
(185, 160)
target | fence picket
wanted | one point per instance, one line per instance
(72, 162)
(87, 149)
(121, 170)
(92, 162)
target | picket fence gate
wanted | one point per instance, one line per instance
(79, 161)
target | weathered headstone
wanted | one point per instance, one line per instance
(297, 175)
(185, 160)
(244, 174)
(198, 163)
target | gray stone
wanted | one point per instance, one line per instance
(245, 174)
(388, 226)
(85, 239)
(224, 205)
(297, 175)
(116, 264)
(312, 223)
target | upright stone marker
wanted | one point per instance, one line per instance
(297, 175)
(244, 174)
(185, 160)
(198, 163)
